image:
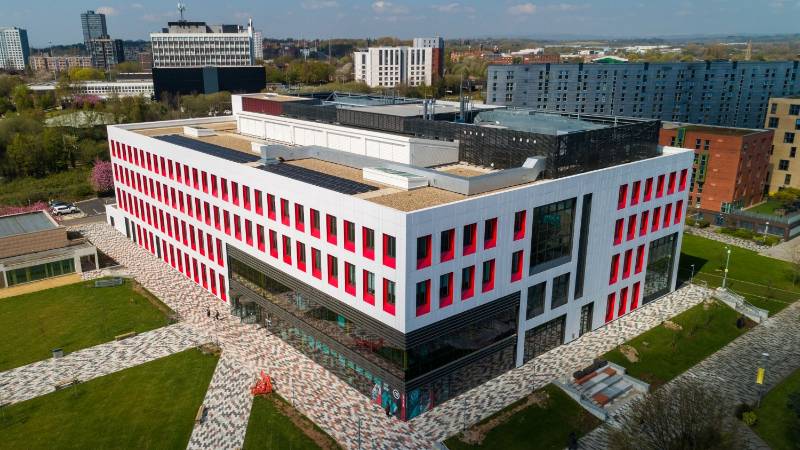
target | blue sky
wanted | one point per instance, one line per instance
(58, 20)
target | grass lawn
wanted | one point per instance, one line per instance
(274, 424)
(540, 426)
(148, 406)
(665, 353)
(72, 317)
(69, 186)
(766, 282)
(768, 207)
(777, 424)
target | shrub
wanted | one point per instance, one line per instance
(703, 223)
(742, 408)
(749, 418)
(690, 221)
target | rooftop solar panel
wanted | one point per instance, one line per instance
(209, 149)
(323, 180)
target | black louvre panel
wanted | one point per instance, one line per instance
(323, 180)
(209, 149)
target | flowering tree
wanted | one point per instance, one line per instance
(102, 178)
(6, 210)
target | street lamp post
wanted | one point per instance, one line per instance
(727, 261)
(761, 377)
(691, 277)
(766, 229)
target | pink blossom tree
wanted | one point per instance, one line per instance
(102, 178)
(7, 209)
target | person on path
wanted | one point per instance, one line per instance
(216, 316)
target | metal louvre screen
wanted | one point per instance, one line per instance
(369, 120)
(316, 113)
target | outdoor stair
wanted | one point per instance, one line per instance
(611, 392)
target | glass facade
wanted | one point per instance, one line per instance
(586, 214)
(660, 262)
(358, 354)
(40, 271)
(560, 291)
(545, 337)
(551, 241)
(536, 295)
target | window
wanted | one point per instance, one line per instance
(285, 212)
(783, 164)
(656, 219)
(792, 152)
(223, 185)
(468, 241)
(273, 243)
(447, 245)
(519, 225)
(773, 108)
(678, 211)
(635, 296)
(217, 224)
(643, 223)
(788, 138)
(614, 272)
(423, 297)
(235, 193)
(610, 302)
(648, 189)
(667, 215)
(467, 282)
(260, 237)
(195, 179)
(389, 251)
(682, 183)
(349, 236)
(259, 202)
(516, 266)
(330, 228)
(631, 227)
(623, 301)
(487, 276)
(639, 259)
(490, 233)
(315, 223)
(660, 265)
(333, 271)
(635, 192)
(445, 289)
(626, 264)
(301, 256)
(773, 122)
(551, 238)
(316, 263)
(560, 292)
(423, 251)
(248, 228)
(246, 197)
(787, 179)
(660, 186)
(350, 278)
(369, 287)
(287, 250)
(237, 226)
(671, 183)
(623, 196)
(388, 296)
(536, 297)
(368, 238)
(271, 206)
(794, 110)
(299, 217)
(619, 226)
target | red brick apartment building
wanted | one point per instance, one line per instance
(731, 165)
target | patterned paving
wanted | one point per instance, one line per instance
(732, 370)
(39, 378)
(228, 403)
(328, 401)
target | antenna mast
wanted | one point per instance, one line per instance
(181, 9)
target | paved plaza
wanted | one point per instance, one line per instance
(315, 392)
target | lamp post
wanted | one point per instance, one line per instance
(727, 261)
(766, 230)
(761, 377)
(691, 277)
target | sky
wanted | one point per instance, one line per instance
(58, 21)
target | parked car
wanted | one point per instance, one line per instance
(65, 209)
(54, 203)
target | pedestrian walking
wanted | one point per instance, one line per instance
(216, 316)
(208, 312)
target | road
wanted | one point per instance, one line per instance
(95, 210)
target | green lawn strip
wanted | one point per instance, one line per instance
(71, 317)
(665, 353)
(768, 207)
(69, 186)
(148, 406)
(777, 424)
(271, 427)
(534, 426)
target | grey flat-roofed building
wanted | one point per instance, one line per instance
(729, 93)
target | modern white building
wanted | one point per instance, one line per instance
(104, 89)
(422, 63)
(14, 50)
(196, 44)
(413, 258)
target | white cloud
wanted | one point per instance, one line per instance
(107, 10)
(568, 7)
(387, 7)
(448, 7)
(522, 8)
(319, 4)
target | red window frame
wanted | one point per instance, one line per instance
(424, 261)
(222, 291)
(273, 243)
(447, 299)
(237, 227)
(287, 249)
(220, 259)
(660, 186)
(635, 296)
(210, 246)
(613, 274)
(635, 188)
(491, 240)
(623, 301)
(350, 278)
(195, 179)
(366, 250)
(487, 286)
(468, 291)
(682, 182)
(610, 302)
(516, 258)
(301, 255)
(207, 213)
(470, 230)
(246, 197)
(519, 224)
(248, 231)
(643, 223)
(223, 184)
(204, 180)
(299, 217)
(349, 244)
(235, 193)
(259, 202)
(331, 231)
(369, 297)
(389, 307)
(333, 271)
(648, 189)
(656, 219)
(425, 307)
(631, 227)
(217, 223)
(262, 245)
(285, 218)
(622, 197)
(315, 223)
(667, 215)
(671, 183)
(271, 206)
(389, 260)
(316, 263)
(626, 264)
(639, 259)
(678, 211)
(619, 226)
(448, 236)
(214, 189)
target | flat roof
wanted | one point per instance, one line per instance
(533, 121)
(406, 109)
(25, 223)
(712, 129)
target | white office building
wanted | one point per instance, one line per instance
(419, 64)
(14, 51)
(196, 44)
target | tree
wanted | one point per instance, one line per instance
(102, 178)
(686, 415)
(22, 97)
(85, 74)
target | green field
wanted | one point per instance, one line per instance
(768, 207)
(665, 353)
(270, 428)
(151, 406)
(68, 186)
(777, 424)
(766, 282)
(72, 317)
(535, 426)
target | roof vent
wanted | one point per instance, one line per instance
(197, 132)
(394, 178)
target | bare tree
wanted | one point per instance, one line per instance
(680, 416)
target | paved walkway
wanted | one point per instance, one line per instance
(732, 370)
(785, 250)
(228, 401)
(328, 401)
(39, 378)
(711, 233)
